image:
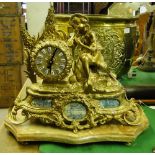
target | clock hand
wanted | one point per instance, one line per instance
(51, 61)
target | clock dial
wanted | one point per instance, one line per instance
(50, 61)
(57, 63)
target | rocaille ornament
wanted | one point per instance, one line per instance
(79, 100)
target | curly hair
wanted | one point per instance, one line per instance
(78, 18)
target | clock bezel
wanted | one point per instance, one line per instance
(70, 119)
(74, 98)
(62, 45)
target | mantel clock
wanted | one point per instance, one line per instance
(78, 100)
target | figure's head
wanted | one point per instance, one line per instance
(79, 22)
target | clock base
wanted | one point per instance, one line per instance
(34, 131)
(66, 109)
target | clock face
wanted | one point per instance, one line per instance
(50, 62)
(75, 111)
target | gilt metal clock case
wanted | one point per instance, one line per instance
(51, 60)
(77, 93)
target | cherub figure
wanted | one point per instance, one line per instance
(88, 59)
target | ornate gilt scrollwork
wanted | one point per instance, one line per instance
(129, 113)
(114, 47)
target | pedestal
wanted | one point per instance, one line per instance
(34, 131)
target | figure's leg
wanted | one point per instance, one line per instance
(105, 69)
(103, 66)
(86, 60)
(85, 64)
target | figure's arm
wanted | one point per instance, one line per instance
(91, 47)
(71, 41)
(78, 41)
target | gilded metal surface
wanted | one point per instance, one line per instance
(118, 50)
(89, 65)
(114, 46)
(50, 38)
(29, 43)
(107, 132)
(77, 97)
(128, 113)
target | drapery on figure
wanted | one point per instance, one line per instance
(88, 59)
